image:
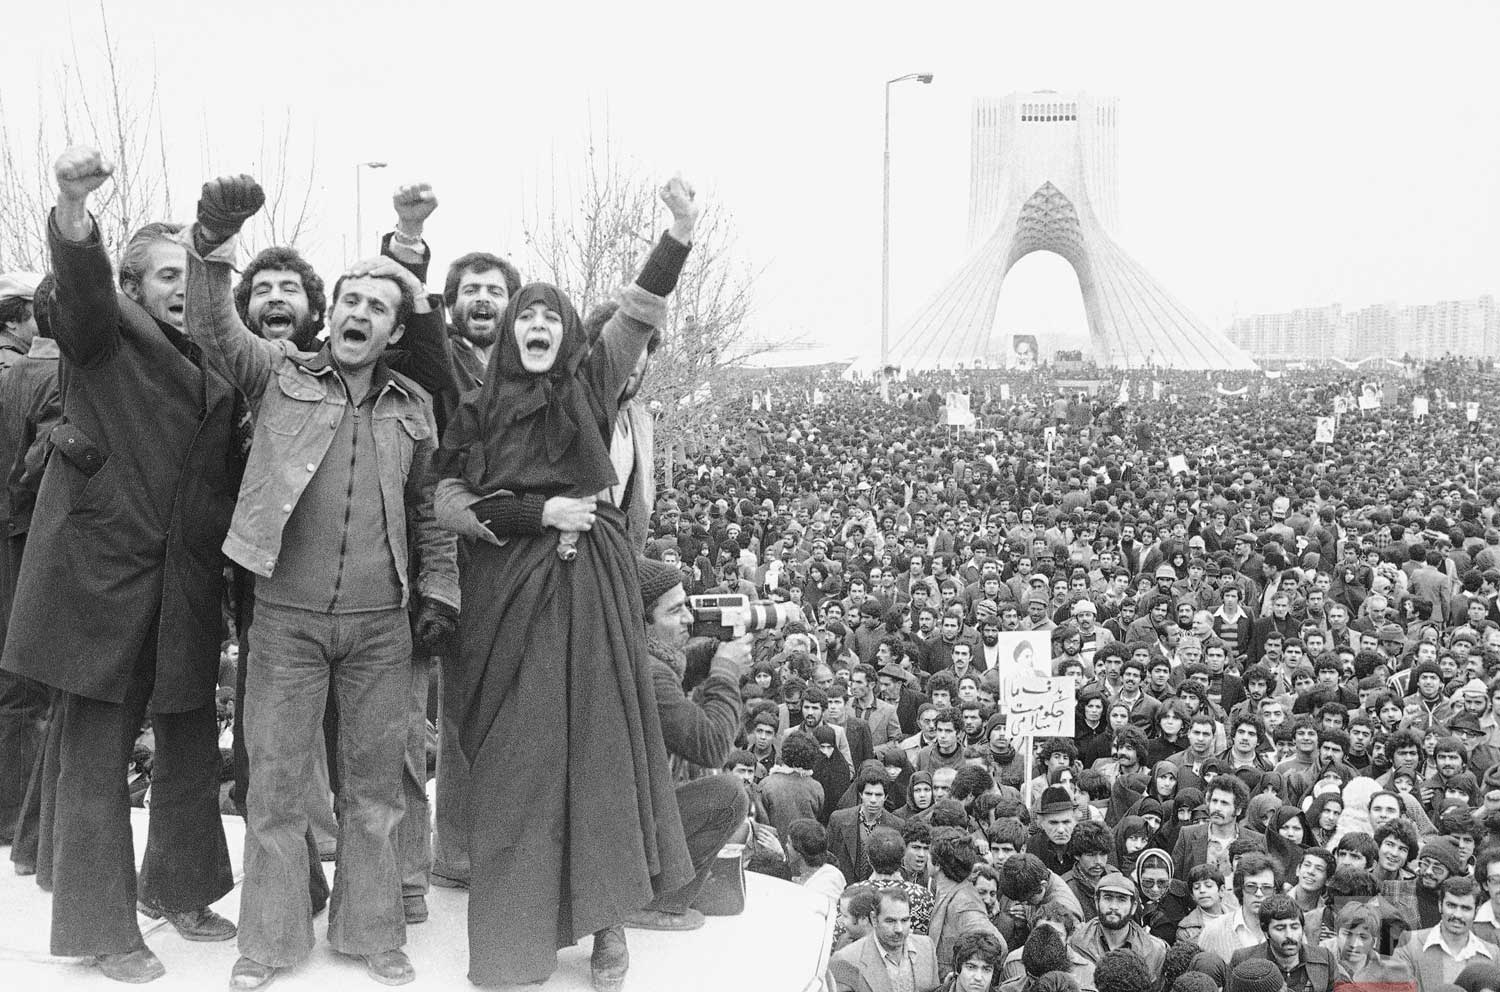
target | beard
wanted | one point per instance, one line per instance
(464, 316)
(279, 322)
(1112, 921)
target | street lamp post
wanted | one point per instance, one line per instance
(885, 223)
(359, 222)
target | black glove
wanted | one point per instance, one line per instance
(436, 624)
(227, 202)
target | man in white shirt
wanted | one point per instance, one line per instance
(1254, 880)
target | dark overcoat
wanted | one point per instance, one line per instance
(134, 502)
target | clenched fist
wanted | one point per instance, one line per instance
(681, 199)
(80, 170)
(414, 203)
(227, 202)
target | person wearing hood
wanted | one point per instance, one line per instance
(1132, 836)
(830, 771)
(530, 449)
(1164, 899)
(919, 797)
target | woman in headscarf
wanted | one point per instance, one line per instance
(832, 772)
(1287, 836)
(919, 796)
(1182, 811)
(1323, 817)
(1132, 836)
(573, 817)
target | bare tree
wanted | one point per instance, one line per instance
(103, 110)
(594, 241)
(287, 218)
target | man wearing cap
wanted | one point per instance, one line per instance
(1114, 929)
(699, 731)
(1294, 964)
(1440, 860)
(17, 315)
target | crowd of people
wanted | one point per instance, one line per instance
(430, 522)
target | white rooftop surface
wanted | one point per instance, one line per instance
(776, 945)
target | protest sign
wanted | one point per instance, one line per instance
(1418, 407)
(1324, 434)
(1178, 464)
(1039, 707)
(1471, 410)
(1025, 652)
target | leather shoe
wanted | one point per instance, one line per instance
(657, 919)
(193, 924)
(415, 908)
(390, 967)
(136, 967)
(610, 960)
(250, 974)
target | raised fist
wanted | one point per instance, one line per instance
(80, 170)
(680, 198)
(227, 202)
(414, 203)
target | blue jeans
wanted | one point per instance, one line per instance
(415, 836)
(295, 656)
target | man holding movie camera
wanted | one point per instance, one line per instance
(699, 732)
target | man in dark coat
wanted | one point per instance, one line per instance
(23, 701)
(118, 603)
(849, 829)
(30, 407)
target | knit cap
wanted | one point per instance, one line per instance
(1194, 981)
(657, 579)
(1258, 975)
(1444, 850)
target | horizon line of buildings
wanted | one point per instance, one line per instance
(1424, 330)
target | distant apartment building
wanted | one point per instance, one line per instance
(1459, 327)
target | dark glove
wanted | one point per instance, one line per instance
(436, 623)
(227, 202)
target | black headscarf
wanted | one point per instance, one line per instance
(530, 432)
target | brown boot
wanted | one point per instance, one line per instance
(610, 960)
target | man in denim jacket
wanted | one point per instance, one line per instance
(338, 466)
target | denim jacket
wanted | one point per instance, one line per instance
(298, 402)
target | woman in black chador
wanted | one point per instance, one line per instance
(573, 818)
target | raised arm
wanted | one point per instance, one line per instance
(230, 347)
(643, 305)
(85, 311)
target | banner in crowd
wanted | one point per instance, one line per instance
(1177, 464)
(1418, 407)
(1340, 406)
(1023, 351)
(1369, 397)
(1471, 410)
(1324, 432)
(1223, 391)
(1038, 707)
(958, 414)
(1025, 652)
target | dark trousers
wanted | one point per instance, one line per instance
(95, 887)
(33, 841)
(450, 842)
(712, 810)
(23, 714)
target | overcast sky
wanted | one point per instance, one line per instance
(1272, 156)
